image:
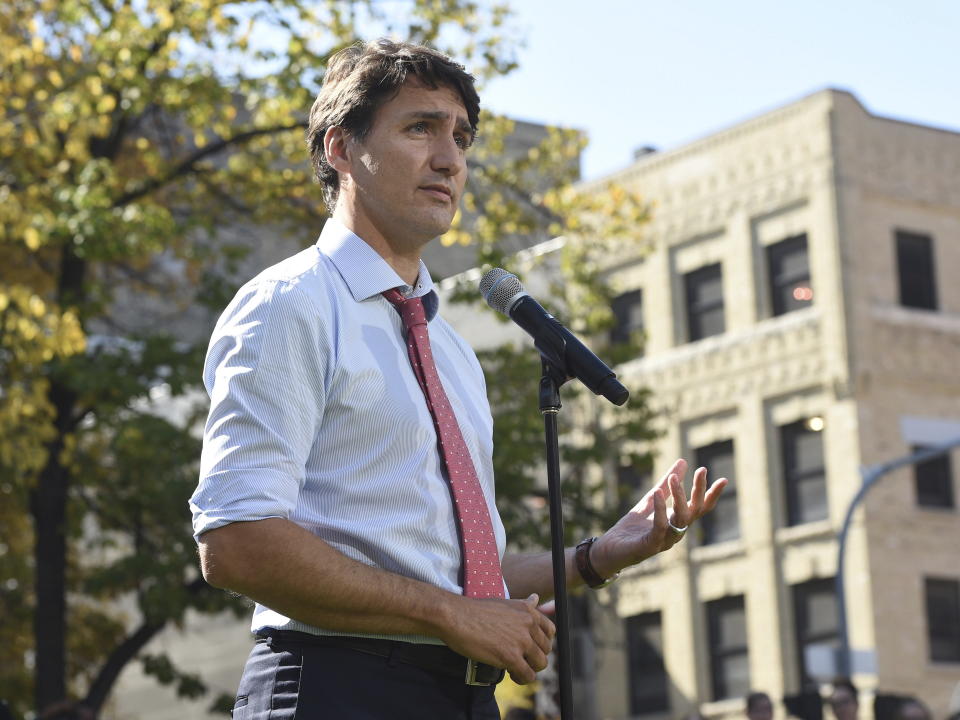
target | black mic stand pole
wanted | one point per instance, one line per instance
(550, 407)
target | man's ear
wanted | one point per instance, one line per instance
(336, 147)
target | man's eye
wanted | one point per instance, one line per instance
(463, 142)
(419, 127)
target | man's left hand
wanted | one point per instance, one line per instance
(649, 528)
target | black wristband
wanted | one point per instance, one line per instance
(589, 574)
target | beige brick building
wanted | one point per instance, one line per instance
(802, 320)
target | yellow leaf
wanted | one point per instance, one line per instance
(164, 18)
(107, 104)
(37, 306)
(32, 238)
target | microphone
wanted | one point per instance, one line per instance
(504, 293)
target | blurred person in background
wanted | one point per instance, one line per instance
(913, 709)
(759, 706)
(844, 700)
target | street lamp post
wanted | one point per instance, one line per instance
(870, 475)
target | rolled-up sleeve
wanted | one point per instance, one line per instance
(265, 373)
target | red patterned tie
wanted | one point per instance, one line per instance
(482, 577)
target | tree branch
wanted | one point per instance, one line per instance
(190, 163)
(518, 192)
(125, 652)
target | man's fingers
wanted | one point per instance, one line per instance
(523, 666)
(546, 626)
(713, 494)
(536, 658)
(659, 511)
(679, 499)
(679, 468)
(522, 675)
(695, 505)
(543, 630)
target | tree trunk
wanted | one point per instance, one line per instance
(48, 505)
(49, 509)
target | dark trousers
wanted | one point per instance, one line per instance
(291, 680)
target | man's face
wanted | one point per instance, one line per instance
(843, 704)
(407, 175)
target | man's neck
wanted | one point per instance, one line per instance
(405, 262)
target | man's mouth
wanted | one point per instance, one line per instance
(441, 192)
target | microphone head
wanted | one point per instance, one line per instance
(501, 290)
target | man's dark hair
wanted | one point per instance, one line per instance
(361, 78)
(756, 697)
(845, 682)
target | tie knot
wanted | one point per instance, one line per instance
(410, 309)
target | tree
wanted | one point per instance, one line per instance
(134, 135)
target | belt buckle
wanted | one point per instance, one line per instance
(471, 678)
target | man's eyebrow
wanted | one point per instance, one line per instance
(462, 124)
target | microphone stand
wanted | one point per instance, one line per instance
(550, 405)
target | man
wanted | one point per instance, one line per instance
(844, 700)
(338, 490)
(759, 706)
(913, 709)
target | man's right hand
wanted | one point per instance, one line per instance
(510, 634)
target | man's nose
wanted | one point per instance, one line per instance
(448, 157)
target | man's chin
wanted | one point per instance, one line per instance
(434, 227)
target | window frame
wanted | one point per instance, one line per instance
(658, 702)
(719, 654)
(705, 456)
(913, 292)
(944, 476)
(793, 479)
(695, 311)
(800, 594)
(621, 306)
(938, 632)
(779, 304)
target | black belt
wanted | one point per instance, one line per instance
(433, 658)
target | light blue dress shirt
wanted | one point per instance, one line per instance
(317, 416)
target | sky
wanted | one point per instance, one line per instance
(668, 72)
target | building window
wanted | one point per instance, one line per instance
(815, 619)
(801, 444)
(915, 268)
(729, 661)
(723, 522)
(648, 677)
(789, 272)
(933, 479)
(627, 316)
(943, 619)
(704, 292)
(632, 485)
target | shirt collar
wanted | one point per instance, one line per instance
(366, 273)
